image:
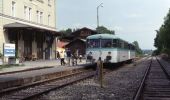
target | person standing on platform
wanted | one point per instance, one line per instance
(80, 58)
(58, 55)
(62, 55)
(74, 58)
(68, 52)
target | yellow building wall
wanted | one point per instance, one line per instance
(5, 9)
(34, 5)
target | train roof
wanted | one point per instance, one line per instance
(105, 36)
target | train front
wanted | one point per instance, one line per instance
(100, 46)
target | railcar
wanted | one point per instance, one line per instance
(109, 48)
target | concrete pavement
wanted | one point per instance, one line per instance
(36, 64)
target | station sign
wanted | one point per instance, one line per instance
(9, 50)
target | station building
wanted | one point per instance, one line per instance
(31, 25)
(77, 40)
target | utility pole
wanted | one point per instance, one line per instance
(101, 5)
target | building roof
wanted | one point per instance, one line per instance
(21, 25)
(76, 40)
(83, 32)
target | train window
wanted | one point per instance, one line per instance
(126, 45)
(119, 43)
(122, 44)
(106, 43)
(93, 43)
(132, 47)
(129, 46)
(115, 43)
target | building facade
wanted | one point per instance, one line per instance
(77, 40)
(31, 25)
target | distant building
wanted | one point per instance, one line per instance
(82, 33)
(31, 25)
(78, 40)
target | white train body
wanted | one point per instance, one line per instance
(118, 51)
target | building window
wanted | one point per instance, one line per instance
(37, 14)
(25, 12)
(49, 2)
(13, 9)
(49, 16)
(41, 17)
(41, 1)
(29, 14)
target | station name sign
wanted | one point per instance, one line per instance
(9, 50)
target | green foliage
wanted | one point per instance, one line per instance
(162, 40)
(66, 32)
(102, 29)
(138, 50)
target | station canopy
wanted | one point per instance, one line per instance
(18, 25)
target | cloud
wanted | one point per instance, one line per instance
(134, 15)
(117, 28)
(78, 25)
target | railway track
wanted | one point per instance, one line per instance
(155, 84)
(36, 89)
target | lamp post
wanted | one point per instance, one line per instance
(101, 5)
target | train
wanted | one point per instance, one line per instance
(109, 48)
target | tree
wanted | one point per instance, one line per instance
(138, 50)
(102, 29)
(162, 40)
(67, 31)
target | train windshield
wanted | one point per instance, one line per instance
(93, 43)
(109, 43)
(106, 43)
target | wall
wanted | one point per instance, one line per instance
(35, 5)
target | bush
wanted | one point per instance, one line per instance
(166, 51)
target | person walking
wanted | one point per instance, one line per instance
(62, 55)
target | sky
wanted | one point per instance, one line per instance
(132, 20)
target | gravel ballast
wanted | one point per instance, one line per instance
(120, 84)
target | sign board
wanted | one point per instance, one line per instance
(9, 50)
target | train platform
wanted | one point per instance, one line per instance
(34, 65)
(35, 71)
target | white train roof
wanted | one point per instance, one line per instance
(105, 36)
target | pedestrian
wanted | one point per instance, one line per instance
(58, 55)
(80, 57)
(62, 55)
(74, 58)
(68, 53)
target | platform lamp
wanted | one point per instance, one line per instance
(101, 5)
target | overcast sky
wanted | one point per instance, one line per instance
(131, 19)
